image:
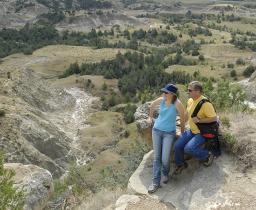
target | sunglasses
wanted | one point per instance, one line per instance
(190, 90)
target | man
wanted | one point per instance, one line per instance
(191, 140)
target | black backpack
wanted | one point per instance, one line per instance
(210, 131)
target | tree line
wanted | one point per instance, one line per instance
(32, 37)
(135, 71)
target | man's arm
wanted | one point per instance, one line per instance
(205, 120)
(209, 112)
(181, 110)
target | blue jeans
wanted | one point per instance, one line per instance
(162, 145)
(191, 144)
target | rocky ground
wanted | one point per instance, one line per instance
(229, 183)
(35, 182)
(220, 186)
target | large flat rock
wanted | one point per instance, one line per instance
(219, 186)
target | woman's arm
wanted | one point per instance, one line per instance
(186, 115)
(181, 110)
(152, 108)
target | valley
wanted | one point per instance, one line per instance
(73, 75)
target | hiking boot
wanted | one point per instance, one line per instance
(165, 179)
(180, 168)
(209, 160)
(153, 188)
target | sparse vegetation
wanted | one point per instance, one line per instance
(225, 96)
(112, 167)
(178, 48)
(230, 139)
(225, 121)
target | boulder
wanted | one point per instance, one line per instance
(36, 182)
(124, 200)
(220, 186)
(141, 115)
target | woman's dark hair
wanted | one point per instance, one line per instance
(174, 98)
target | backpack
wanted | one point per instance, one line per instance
(210, 131)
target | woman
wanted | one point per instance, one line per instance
(164, 132)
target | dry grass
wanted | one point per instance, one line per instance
(53, 60)
(217, 55)
(113, 164)
(205, 70)
(238, 25)
(101, 200)
(243, 130)
(59, 57)
(80, 81)
(243, 126)
(224, 53)
(104, 126)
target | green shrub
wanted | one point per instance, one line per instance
(195, 53)
(240, 61)
(2, 113)
(225, 96)
(104, 87)
(229, 139)
(60, 186)
(248, 71)
(129, 111)
(28, 51)
(201, 58)
(233, 73)
(231, 65)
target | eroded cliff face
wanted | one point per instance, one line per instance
(40, 122)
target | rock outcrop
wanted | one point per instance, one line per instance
(37, 184)
(27, 135)
(136, 202)
(250, 87)
(141, 116)
(223, 185)
(220, 186)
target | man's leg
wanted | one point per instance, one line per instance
(157, 146)
(168, 140)
(179, 147)
(193, 147)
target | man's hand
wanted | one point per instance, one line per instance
(195, 120)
